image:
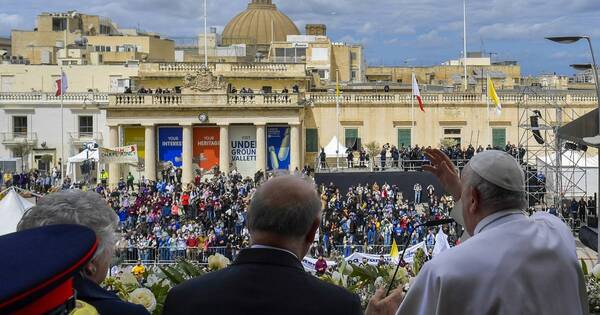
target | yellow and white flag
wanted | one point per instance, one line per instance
(493, 96)
(394, 252)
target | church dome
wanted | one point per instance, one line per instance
(260, 24)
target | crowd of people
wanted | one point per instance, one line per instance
(413, 157)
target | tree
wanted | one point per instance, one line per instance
(373, 148)
(21, 150)
(448, 143)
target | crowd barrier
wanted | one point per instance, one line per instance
(169, 255)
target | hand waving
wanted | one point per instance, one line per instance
(444, 170)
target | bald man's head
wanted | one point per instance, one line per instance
(285, 206)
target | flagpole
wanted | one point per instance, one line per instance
(62, 131)
(466, 82)
(205, 38)
(487, 99)
(412, 107)
(337, 118)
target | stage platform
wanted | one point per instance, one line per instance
(404, 180)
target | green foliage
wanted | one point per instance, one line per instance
(372, 148)
(448, 143)
(584, 267)
(418, 261)
(181, 271)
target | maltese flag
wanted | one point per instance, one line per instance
(416, 92)
(61, 84)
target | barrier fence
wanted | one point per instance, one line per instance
(169, 255)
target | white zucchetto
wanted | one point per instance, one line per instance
(499, 168)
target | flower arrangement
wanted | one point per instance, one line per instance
(365, 280)
(592, 285)
(151, 288)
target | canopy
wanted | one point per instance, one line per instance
(331, 148)
(82, 156)
(582, 127)
(12, 208)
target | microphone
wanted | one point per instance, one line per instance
(428, 224)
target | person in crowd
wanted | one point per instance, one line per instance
(417, 188)
(139, 269)
(323, 158)
(130, 180)
(90, 210)
(490, 204)
(350, 157)
(321, 266)
(104, 178)
(283, 217)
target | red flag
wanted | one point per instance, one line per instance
(61, 84)
(416, 92)
(58, 87)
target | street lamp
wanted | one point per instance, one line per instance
(593, 141)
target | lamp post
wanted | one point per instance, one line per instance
(593, 141)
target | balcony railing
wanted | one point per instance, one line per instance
(82, 137)
(577, 98)
(259, 69)
(13, 138)
(43, 98)
(204, 100)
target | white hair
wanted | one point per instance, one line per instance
(75, 207)
(493, 197)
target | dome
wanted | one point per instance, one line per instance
(257, 24)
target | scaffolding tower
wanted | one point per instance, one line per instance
(555, 170)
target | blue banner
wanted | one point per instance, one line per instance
(278, 148)
(170, 145)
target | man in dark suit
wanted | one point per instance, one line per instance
(268, 278)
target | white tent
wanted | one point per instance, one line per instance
(82, 156)
(12, 208)
(331, 148)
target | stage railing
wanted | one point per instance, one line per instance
(377, 164)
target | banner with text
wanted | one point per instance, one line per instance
(135, 136)
(170, 146)
(278, 148)
(206, 147)
(119, 155)
(242, 149)
(309, 264)
(357, 258)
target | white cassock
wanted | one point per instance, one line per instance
(514, 264)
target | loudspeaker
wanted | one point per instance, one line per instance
(536, 132)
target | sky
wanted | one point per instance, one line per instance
(393, 32)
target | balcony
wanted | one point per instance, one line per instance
(203, 100)
(37, 98)
(228, 70)
(550, 98)
(81, 138)
(18, 138)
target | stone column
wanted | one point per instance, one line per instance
(261, 147)
(187, 154)
(294, 147)
(150, 153)
(114, 170)
(224, 148)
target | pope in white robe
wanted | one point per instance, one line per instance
(513, 263)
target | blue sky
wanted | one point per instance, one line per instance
(394, 32)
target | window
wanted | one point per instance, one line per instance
(453, 134)
(20, 126)
(498, 137)
(351, 136)
(312, 140)
(353, 75)
(86, 126)
(404, 138)
(320, 54)
(59, 24)
(352, 56)
(324, 74)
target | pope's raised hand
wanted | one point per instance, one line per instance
(444, 170)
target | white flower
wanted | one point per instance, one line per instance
(144, 297)
(348, 269)
(340, 279)
(596, 271)
(379, 282)
(217, 262)
(127, 278)
(152, 280)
